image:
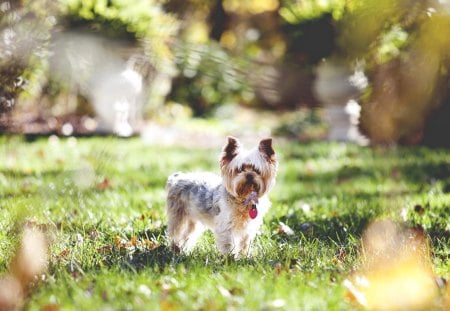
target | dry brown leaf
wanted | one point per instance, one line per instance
(284, 229)
(11, 294)
(31, 258)
(397, 273)
(167, 305)
(133, 241)
(64, 253)
(105, 249)
(51, 307)
(150, 244)
(104, 184)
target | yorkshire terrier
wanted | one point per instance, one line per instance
(232, 206)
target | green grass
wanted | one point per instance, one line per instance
(109, 248)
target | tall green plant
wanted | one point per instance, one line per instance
(209, 77)
(407, 60)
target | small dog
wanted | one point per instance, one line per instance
(232, 206)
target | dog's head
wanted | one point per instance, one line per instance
(246, 171)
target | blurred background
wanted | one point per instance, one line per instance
(370, 72)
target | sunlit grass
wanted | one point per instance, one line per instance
(101, 201)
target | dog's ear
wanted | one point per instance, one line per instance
(265, 147)
(230, 150)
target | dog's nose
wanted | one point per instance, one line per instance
(249, 177)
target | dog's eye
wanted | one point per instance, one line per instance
(257, 171)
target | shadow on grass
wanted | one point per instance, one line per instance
(163, 257)
(412, 173)
(160, 257)
(337, 229)
(425, 173)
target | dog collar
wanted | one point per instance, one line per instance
(253, 211)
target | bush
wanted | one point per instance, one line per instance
(305, 22)
(208, 78)
(139, 27)
(25, 31)
(406, 56)
(142, 20)
(304, 125)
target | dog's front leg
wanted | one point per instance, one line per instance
(224, 241)
(244, 246)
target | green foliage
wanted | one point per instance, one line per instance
(209, 77)
(296, 11)
(109, 248)
(137, 20)
(392, 43)
(304, 22)
(24, 60)
(303, 125)
(367, 25)
(360, 26)
(402, 44)
(25, 31)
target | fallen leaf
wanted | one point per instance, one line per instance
(11, 294)
(51, 307)
(284, 229)
(32, 256)
(41, 153)
(133, 241)
(104, 249)
(144, 290)
(224, 292)
(104, 184)
(120, 242)
(397, 272)
(167, 305)
(27, 266)
(236, 291)
(353, 294)
(276, 304)
(150, 244)
(64, 253)
(75, 274)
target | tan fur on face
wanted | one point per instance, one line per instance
(260, 162)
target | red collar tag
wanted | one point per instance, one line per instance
(253, 212)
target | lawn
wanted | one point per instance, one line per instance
(101, 203)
